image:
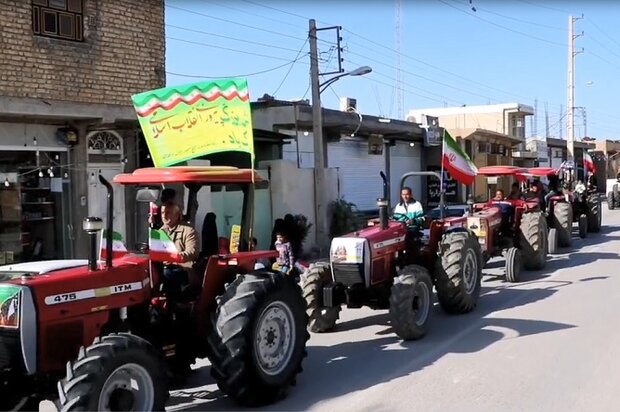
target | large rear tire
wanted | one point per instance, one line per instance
(118, 372)
(321, 318)
(259, 338)
(458, 272)
(411, 302)
(594, 215)
(563, 223)
(533, 240)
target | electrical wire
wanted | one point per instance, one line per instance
(290, 68)
(238, 75)
(502, 26)
(229, 49)
(246, 41)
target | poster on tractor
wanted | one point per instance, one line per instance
(235, 238)
(9, 306)
(181, 123)
(347, 250)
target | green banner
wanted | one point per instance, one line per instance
(9, 306)
(185, 122)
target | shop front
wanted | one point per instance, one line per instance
(35, 194)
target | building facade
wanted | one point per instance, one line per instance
(68, 69)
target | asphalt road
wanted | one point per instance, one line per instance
(549, 343)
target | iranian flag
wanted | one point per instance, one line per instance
(456, 161)
(162, 248)
(118, 247)
(588, 164)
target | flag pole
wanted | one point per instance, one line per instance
(441, 188)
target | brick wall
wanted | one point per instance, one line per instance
(123, 53)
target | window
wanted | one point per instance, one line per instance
(517, 128)
(58, 18)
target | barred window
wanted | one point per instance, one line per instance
(61, 19)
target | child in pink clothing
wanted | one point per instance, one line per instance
(285, 260)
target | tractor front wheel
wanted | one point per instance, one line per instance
(563, 223)
(533, 240)
(583, 226)
(458, 272)
(322, 318)
(258, 340)
(594, 215)
(553, 241)
(118, 372)
(611, 201)
(411, 302)
(514, 263)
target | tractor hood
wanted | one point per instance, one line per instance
(13, 271)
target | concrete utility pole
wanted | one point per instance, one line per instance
(546, 121)
(319, 147)
(570, 128)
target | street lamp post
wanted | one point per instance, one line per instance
(320, 149)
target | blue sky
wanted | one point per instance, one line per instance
(505, 51)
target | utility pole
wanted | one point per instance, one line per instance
(320, 218)
(570, 129)
(535, 130)
(561, 122)
(546, 121)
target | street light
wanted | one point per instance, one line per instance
(360, 71)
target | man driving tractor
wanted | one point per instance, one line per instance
(409, 210)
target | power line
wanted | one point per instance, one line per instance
(254, 14)
(229, 49)
(601, 30)
(230, 38)
(502, 26)
(234, 22)
(485, 10)
(275, 9)
(239, 75)
(545, 7)
(290, 68)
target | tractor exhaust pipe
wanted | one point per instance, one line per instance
(92, 226)
(383, 213)
(110, 225)
(386, 188)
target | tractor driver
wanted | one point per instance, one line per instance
(185, 239)
(410, 210)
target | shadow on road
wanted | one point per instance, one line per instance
(333, 371)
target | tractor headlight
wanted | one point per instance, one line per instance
(10, 297)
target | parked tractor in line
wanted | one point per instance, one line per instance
(114, 333)
(389, 266)
(513, 228)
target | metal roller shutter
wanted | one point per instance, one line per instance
(359, 171)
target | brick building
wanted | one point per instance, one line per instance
(68, 69)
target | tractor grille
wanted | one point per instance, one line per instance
(10, 351)
(349, 273)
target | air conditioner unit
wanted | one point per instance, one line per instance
(347, 103)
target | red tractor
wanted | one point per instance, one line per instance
(559, 212)
(389, 266)
(513, 228)
(115, 335)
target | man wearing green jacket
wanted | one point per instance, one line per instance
(409, 210)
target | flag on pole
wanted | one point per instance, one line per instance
(162, 248)
(588, 163)
(457, 162)
(118, 247)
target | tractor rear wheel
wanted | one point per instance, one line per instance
(458, 272)
(118, 372)
(411, 302)
(514, 263)
(594, 215)
(258, 340)
(563, 223)
(322, 318)
(583, 226)
(533, 240)
(553, 241)
(611, 201)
